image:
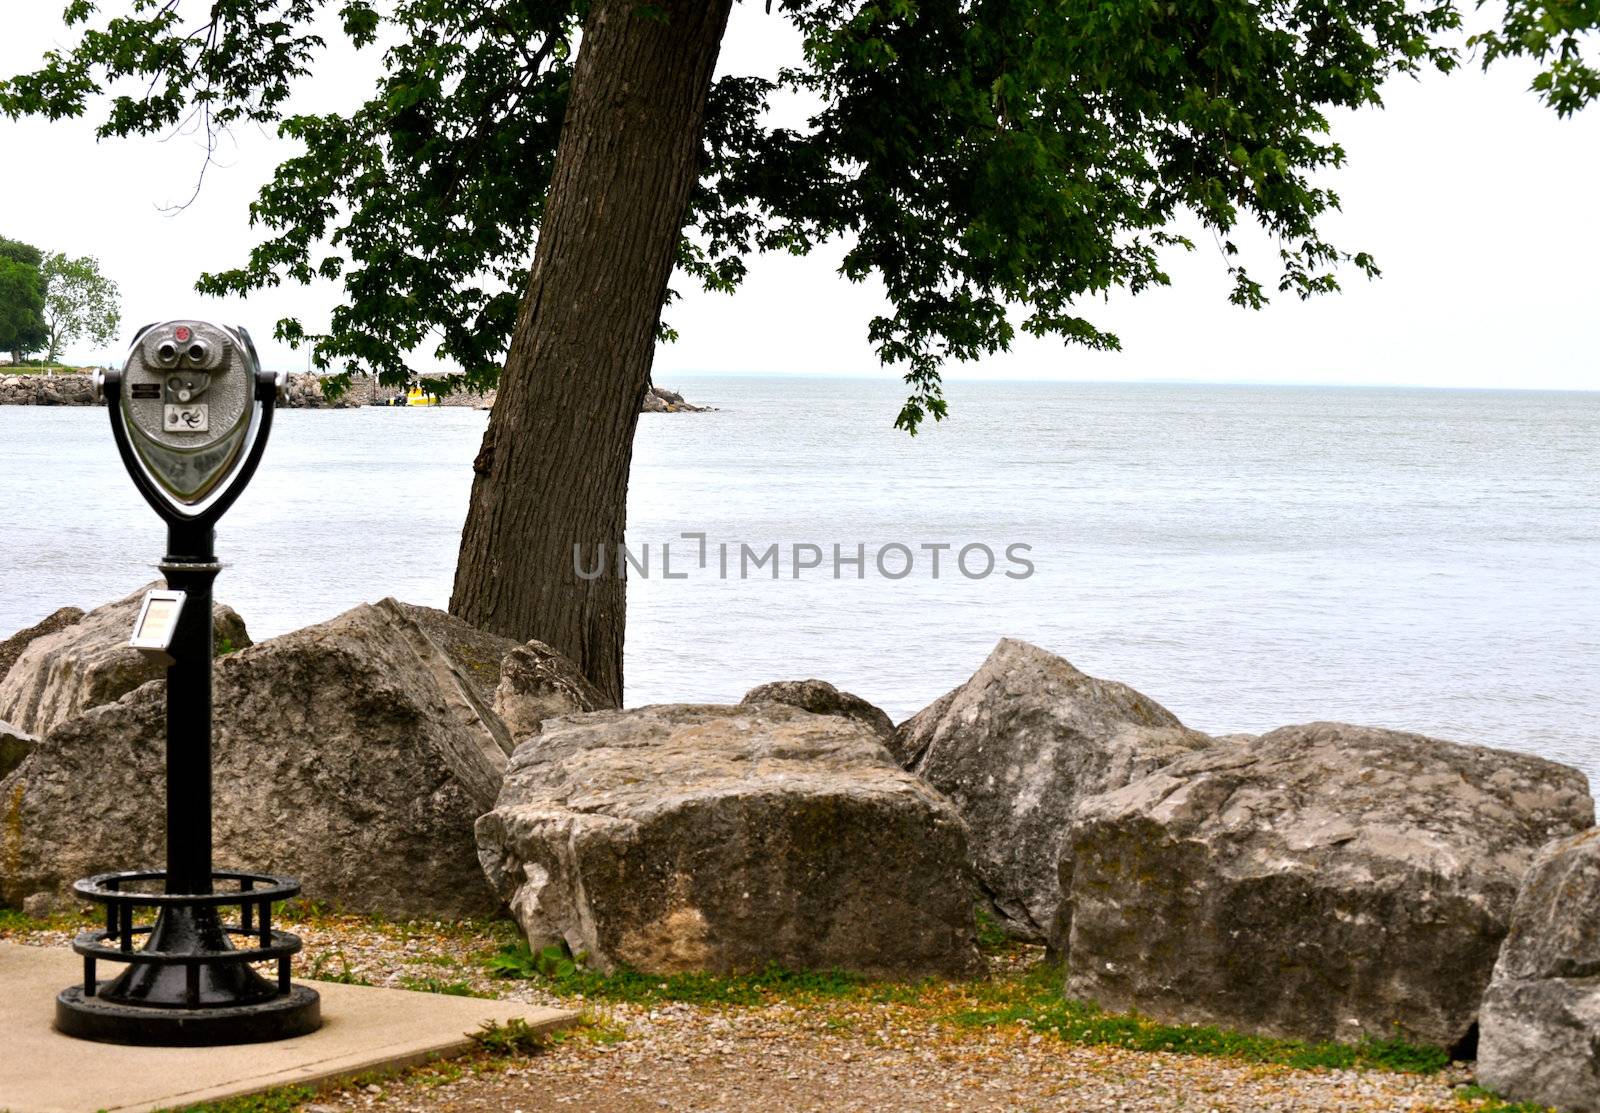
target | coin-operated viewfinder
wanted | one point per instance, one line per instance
(191, 412)
(188, 399)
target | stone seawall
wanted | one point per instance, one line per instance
(302, 392)
(46, 390)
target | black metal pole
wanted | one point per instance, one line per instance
(190, 566)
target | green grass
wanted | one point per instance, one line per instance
(1035, 1001)
(1032, 1000)
(565, 976)
(443, 961)
(320, 914)
(286, 1100)
(992, 936)
(514, 1037)
(13, 922)
(35, 366)
(430, 984)
(321, 970)
(1479, 1100)
(306, 910)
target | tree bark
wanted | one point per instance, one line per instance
(553, 470)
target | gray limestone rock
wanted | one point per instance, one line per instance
(821, 698)
(353, 755)
(537, 683)
(1017, 747)
(1325, 882)
(691, 837)
(12, 647)
(1540, 1028)
(88, 663)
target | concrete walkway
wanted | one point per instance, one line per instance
(364, 1029)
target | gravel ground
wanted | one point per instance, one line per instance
(680, 1057)
(828, 1055)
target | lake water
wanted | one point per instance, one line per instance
(1248, 556)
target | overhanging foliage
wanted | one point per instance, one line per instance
(997, 164)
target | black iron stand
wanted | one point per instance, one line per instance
(189, 985)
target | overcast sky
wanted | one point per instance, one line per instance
(1478, 203)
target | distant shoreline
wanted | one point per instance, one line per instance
(301, 392)
(956, 380)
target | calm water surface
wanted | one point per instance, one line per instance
(1248, 556)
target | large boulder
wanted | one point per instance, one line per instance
(1540, 1028)
(12, 647)
(354, 755)
(89, 663)
(1017, 747)
(1327, 882)
(821, 698)
(690, 837)
(537, 683)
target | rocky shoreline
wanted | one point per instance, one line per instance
(1323, 882)
(301, 392)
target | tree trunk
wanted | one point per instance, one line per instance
(553, 470)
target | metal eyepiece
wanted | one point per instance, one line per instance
(198, 352)
(167, 352)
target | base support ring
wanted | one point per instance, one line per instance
(297, 1013)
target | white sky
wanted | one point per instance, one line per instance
(1478, 203)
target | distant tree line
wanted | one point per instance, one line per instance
(48, 300)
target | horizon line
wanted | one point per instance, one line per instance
(1151, 381)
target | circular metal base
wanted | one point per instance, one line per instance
(297, 1013)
